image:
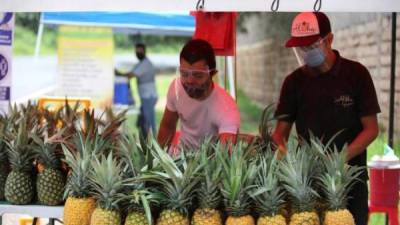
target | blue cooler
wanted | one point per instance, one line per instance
(122, 92)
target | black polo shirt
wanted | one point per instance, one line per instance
(330, 102)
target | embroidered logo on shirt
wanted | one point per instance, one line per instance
(344, 100)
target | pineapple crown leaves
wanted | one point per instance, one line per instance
(82, 143)
(106, 180)
(177, 178)
(80, 164)
(69, 114)
(47, 152)
(20, 150)
(267, 193)
(134, 156)
(208, 192)
(238, 175)
(338, 178)
(4, 136)
(267, 117)
(296, 173)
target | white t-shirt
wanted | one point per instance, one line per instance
(214, 115)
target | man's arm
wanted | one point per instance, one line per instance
(365, 137)
(129, 74)
(281, 135)
(167, 127)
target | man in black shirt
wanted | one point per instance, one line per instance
(328, 94)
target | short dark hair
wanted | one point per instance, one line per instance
(196, 50)
(140, 45)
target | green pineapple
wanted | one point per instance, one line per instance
(298, 178)
(208, 193)
(107, 182)
(19, 187)
(176, 180)
(50, 182)
(268, 194)
(4, 163)
(238, 173)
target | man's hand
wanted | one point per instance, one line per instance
(365, 137)
(281, 135)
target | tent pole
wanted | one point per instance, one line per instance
(392, 84)
(392, 80)
(39, 36)
(225, 72)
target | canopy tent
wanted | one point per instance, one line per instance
(177, 24)
(188, 5)
(132, 22)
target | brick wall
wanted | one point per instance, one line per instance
(262, 66)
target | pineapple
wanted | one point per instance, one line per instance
(50, 182)
(336, 181)
(176, 180)
(138, 205)
(268, 194)
(208, 193)
(4, 170)
(238, 174)
(79, 204)
(296, 173)
(136, 198)
(19, 188)
(4, 163)
(107, 182)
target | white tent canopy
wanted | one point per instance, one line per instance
(188, 5)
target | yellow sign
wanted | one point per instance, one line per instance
(85, 64)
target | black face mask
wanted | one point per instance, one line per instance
(197, 92)
(140, 56)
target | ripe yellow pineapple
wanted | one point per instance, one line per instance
(78, 210)
(268, 194)
(337, 180)
(79, 205)
(176, 181)
(296, 173)
(208, 193)
(107, 182)
(238, 174)
(136, 199)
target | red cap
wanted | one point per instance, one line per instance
(307, 28)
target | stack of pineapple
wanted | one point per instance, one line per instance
(107, 177)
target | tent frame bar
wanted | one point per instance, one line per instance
(392, 79)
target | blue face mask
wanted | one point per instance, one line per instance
(314, 57)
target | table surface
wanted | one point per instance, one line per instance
(34, 210)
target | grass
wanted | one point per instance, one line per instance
(25, 42)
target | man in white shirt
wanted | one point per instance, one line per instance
(203, 108)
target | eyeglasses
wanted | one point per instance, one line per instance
(314, 45)
(197, 74)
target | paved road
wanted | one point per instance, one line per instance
(34, 77)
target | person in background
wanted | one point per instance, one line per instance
(328, 94)
(144, 72)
